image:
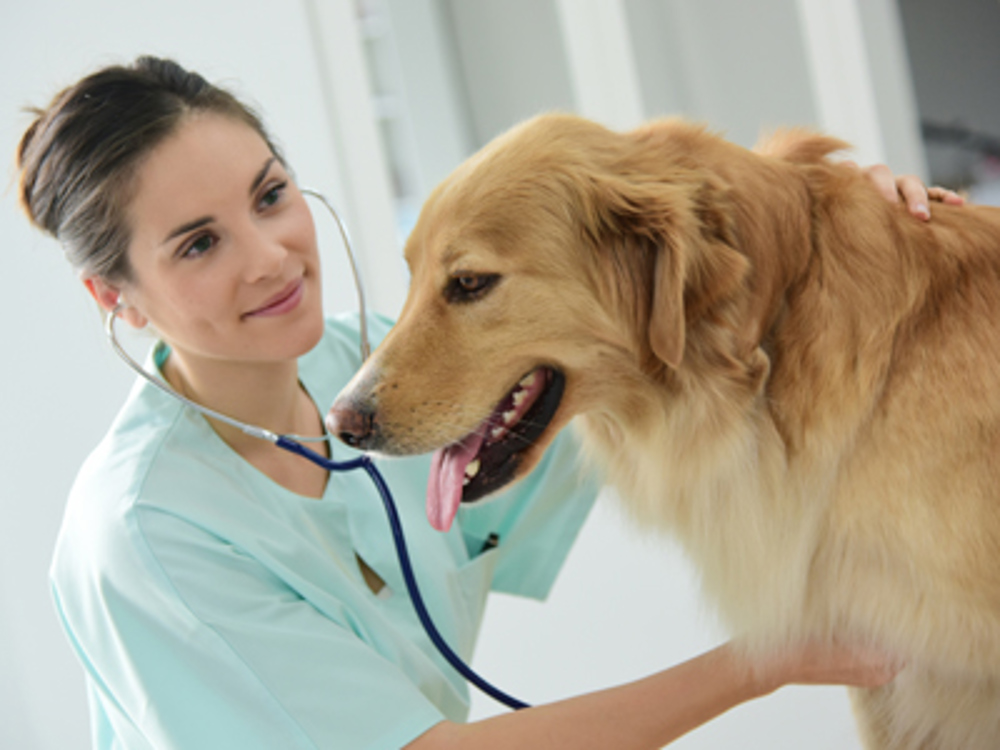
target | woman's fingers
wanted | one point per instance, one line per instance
(908, 188)
(943, 195)
(915, 194)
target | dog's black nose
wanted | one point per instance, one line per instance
(352, 424)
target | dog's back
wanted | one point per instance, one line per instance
(904, 318)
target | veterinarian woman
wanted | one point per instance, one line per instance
(221, 593)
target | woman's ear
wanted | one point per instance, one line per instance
(109, 297)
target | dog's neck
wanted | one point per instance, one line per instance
(816, 280)
(823, 305)
(771, 205)
(782, 214)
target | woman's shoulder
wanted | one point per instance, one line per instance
(118, 467)
(155, 455)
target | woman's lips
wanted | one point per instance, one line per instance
(284, 301)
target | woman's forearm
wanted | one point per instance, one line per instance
(653, 712)
(648, 713)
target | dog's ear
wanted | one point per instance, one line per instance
(689, 224)
(667, 320)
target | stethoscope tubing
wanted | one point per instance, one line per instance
(405, 564)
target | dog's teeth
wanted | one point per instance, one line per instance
(472, 469)
(528, 380)
(508, 416)
(497, 432)
(519, 397)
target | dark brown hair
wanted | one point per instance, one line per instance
(79, 157)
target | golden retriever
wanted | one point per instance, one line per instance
(789, 373)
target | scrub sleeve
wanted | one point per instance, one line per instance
(212, 608)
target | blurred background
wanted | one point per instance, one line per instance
(374, 101)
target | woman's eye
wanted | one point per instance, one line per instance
(272, 195)
(467, 287)
(198, 246)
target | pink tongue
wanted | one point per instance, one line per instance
(444, 487)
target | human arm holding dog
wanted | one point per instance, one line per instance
(654, 711)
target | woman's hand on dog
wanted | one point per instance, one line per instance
(909, 189)
(824, 663)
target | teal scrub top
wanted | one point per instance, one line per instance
(213, 608)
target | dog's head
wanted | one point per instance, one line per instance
(552, 274)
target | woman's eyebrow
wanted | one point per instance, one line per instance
(261, 175)
(191, 225)
(197, 223)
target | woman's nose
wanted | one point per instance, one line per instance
(265, 254)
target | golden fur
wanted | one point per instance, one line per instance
(770, 361)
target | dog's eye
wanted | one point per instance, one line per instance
(467, 287)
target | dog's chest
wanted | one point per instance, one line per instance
(734, 507)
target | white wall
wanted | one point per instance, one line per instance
(512, 61)
(625, 605)
(758, 82)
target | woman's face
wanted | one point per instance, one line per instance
(223, 247)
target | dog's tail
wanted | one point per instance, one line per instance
(799, 145)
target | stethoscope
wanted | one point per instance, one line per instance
(293, 444)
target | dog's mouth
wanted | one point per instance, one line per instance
(489, 457)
